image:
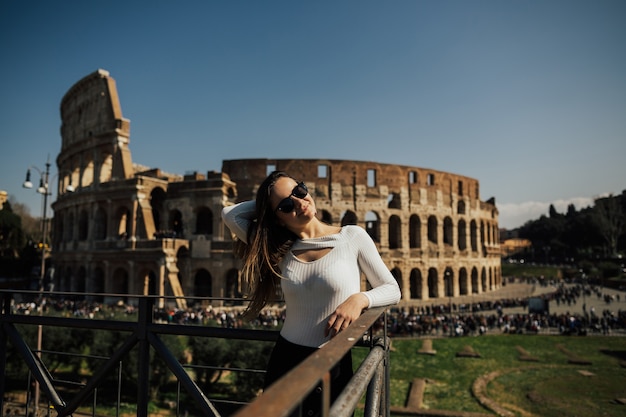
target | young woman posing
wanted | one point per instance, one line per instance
(317, 266)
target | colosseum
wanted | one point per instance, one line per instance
(123, 228)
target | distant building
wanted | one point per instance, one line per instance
(514, 246)
(3, 198)
(130, 229)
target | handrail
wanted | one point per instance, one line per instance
(284, 396)
(278, 400)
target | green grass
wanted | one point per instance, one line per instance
(548, 387)
(530, 271)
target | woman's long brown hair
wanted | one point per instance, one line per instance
(268, 242)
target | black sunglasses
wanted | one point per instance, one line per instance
(286, 205)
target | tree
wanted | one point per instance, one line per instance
(610, 219)
(12, 238)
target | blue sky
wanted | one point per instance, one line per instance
(528, 97)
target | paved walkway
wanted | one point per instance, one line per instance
(519, 290)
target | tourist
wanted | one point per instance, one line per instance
(317, 266)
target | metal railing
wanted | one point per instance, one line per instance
(281, 399)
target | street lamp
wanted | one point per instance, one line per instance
(450, 290)
(45, 192)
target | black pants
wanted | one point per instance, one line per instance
(287, 355)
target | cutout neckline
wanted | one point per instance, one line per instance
(311, 255)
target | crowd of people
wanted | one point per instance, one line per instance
(491, 316)
(446, 319)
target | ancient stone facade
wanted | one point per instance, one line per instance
(128, 229)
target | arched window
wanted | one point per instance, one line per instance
(395, 232)
(100, 224)
(176, 223)
(372, 226)
(416, 284)
(415, 232)
(432, 229)
(462, 232)
(474, 235)
(447, 231)
(349, 217)
(83, 225)
(203, 284)
(204, 221)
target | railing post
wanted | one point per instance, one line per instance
(4, 309)
(143, 372)
(387, 369)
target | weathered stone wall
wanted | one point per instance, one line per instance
(430, 226)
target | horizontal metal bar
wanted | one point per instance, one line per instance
(130, 326)
(350, 396)
(285, 394)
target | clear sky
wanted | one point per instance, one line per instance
(528, 97)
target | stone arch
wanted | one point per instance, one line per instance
(183, 258)
(415, 284)
(150, 283)
(97, 284)
(447, 231)
(69, 230)
(349, 217)
(463, 282)
(474, 236)
(433, 283)
(462, 235)
(475, 287)
(415, 232)
(157, 203)
(124, 222)
(176, 222)
(83, 225)
(87, 176)
(79, 284)
(372, 225)
(120, 282)
(395, 232)
(100, 224)
(460, 207)
(59, 225)
(482, 234)
(448, 282)
(432, 229)
(66, 279)
(106, 169)
(204, 221)
(394, 201)
(203, 283)
(483, 280)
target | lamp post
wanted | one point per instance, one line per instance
(450, 290)
(43, 190)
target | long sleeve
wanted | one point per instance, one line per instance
(239, 217)
(385, 289)
(314, 289)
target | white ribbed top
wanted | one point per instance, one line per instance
(313, 290)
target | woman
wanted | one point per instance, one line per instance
(317, 266)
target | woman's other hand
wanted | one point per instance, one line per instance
(346, 313)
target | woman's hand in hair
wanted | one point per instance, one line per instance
(346, 313)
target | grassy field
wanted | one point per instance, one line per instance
(567, 376)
